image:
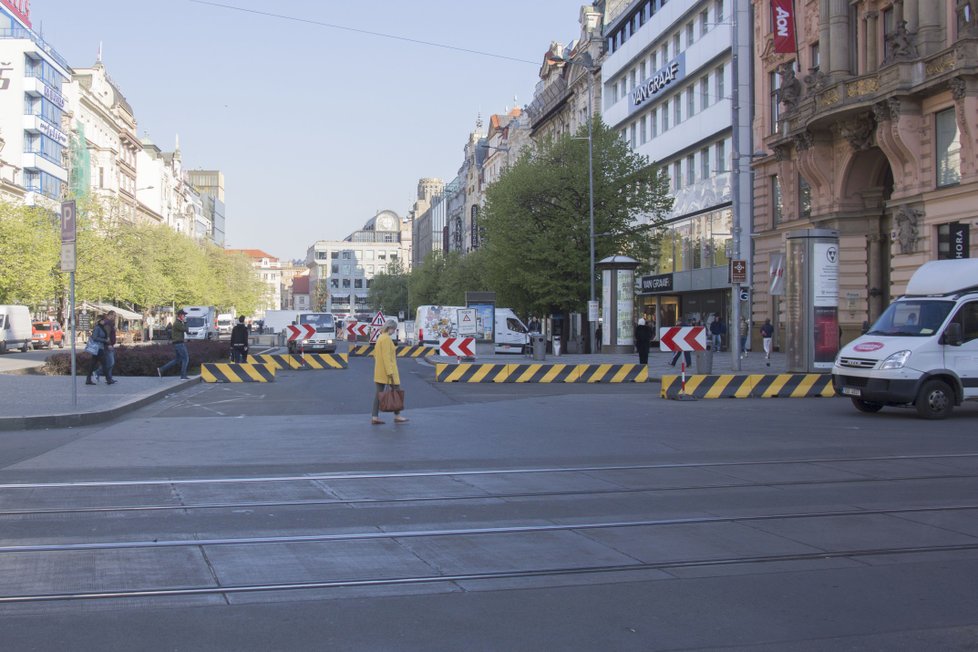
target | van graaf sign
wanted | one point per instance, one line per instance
(658, 283)
(649, 89)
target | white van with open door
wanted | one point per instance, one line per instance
(923, 350)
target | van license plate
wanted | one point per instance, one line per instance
(852, 391)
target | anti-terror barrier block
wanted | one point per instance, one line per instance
(750, 386)
(304, 361)
(402, 350)
(541, 373)
(232, 372)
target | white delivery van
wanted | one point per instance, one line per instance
(923, 350)
(15, 328)
(322, 341)
(201, 322)
(436, 322)
(225, 322)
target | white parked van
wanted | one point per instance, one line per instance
(201, 322)
(225, 322)
(15, 328)
(923, 350)
(436, 322)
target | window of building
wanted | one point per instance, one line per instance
(677, 175)
(948, 148)
(677, 108)
(345, 270)
(690, 102)
(655, 122)
(774, 108)
(347, 255)
(704, 93)
(721, 157)
(704, 23)
(814, 57)
(665, 53)
(718, 11)
(370, 269)
(641, 71)
(654, 61)
(718, 82)
(334, 283)
(690, 170)
(777, 212)
(804, 198)
(675, 44)
(358, 283)
(335, 268)
(705, 163)
(334, 255)
(643, 135)
(346, 283)
(665, 116)
(632, 135)
(690, 33)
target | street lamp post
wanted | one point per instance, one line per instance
(590, 192)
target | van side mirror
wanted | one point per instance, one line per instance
(952, 335)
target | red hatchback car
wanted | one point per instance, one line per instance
(47, 334)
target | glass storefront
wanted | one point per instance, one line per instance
(696, 242)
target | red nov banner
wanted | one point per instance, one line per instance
(783, 17)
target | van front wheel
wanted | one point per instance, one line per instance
(935, 401)
(866, 406)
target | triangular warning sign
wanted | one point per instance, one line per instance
(379, 319)
(467, 317)
(374, 334)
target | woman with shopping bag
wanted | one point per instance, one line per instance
(389, 396)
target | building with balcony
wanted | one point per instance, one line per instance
(32, 107)
(99, 113)
(340, 271)
(666, 79)
(870, 130)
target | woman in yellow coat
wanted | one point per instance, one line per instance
(385, 369)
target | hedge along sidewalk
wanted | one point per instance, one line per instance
(141, 360)
(37, 401)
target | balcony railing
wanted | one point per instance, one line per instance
(20, 32)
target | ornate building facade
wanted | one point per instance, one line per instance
(869, 128)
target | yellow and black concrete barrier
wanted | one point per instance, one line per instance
(750, 386)
(304, 361)
(541, 373)
(402, 350)
(231, 372)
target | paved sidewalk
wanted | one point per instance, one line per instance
(30, 401)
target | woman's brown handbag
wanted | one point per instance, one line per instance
(391, 400)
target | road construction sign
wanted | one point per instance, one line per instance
(467, 324)
(682, 338)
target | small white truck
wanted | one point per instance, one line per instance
(201, 322)
(324, 338)
(923, 350)
(435, 322)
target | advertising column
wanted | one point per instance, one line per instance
(618, 300)
(812, 300)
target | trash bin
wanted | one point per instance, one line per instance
(704, 362)
(538, 346)
(556, 345)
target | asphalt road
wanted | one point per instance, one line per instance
(510, 517)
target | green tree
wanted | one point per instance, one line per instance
(536, 219)
(31, 253)
(389, 290)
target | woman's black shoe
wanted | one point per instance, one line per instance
(88, 381)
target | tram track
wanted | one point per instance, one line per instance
(189, 506)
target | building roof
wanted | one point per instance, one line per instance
(251, 253)
(300, 285)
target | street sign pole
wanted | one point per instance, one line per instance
(68, 264)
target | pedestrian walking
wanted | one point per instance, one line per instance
(100, 335)
(239, 341)
(717, 329)
(643, 340)
(767, 335)
(598, 333)
(385, 370)
(178, 337)
(686, 355)
(744, 337)
(108, 351)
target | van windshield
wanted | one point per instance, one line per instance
(322, 322)
(912, 318)
(195, 322)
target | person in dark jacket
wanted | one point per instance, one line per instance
(643, 339)
(100, 334)
(239, 341)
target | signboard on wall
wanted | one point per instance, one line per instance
(954, 241)
(656, 85)
(20, 8)
(657, 283)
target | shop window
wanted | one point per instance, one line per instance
(774, 83)
(777, 206)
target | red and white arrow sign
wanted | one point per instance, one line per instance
(302, 331)
(354, 329)
(682, 338)
(457, 346)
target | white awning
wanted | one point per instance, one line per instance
(105, 307)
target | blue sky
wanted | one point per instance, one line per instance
(315, 128)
